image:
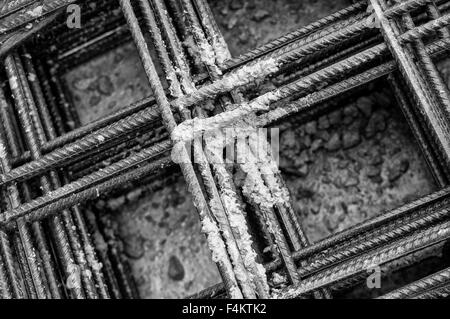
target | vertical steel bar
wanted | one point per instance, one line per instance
(219, 212)
(106, 269)
(48, 183)
(435, 118)
(59, 232)
(78, 220)
(417, 129)
(38, 229)
(209, 226)
(435, 82)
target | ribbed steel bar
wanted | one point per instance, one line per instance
(102, 8)
(304, 85)
(12, 40)
(92, 140)
(23, 97)
(11, 272)
(78, 133)
(89, 180)
(222, 53)
(428, 202)
(372, 240)
(38, 282)
(93, 192)
(315, 98)
(436, 120)
(224, 264)
(205, 172)
(31, 13)
(295, 35)
(91, 49)
(97, 160)
(64, 99)
(26, 280)
(405, 7)
(421, 286)
(288, 219)
(78, 147)
(313, 67)
(267, 66)
(101, 248)
(44, 147)
(435, 293)
(6, 249)
(179, 60)
(438, 92)
(251, 283)
(372, 234)
(104, 20)
(105, 255)
(230, 80)
(426, 29)
(68, 234)
(5, 288)
(209, 293)
(441, 93)
(433, 12)
(10, 6)
(425, 144)
(44, 128)
(298, 237)
(14, 199)
(43, 75)
(356, 266)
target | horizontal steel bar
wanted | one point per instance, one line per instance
(440, 278)
(349, 237)
(30, 13)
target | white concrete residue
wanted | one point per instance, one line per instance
(239, 77)
(207, 53)
(249, 73)
(3, 152)
(217, 248)
(14, 83)
(235, 213)
(215, 243)
(36, 12)
(217, 209)
(74, 279)
(221, 47)
(32, 77)
(90, 252)
(195, 127)
(270, 171)
(174, 87)
(254, 187)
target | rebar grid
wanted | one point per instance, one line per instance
(345, 51)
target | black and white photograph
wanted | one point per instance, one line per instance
(232, 156)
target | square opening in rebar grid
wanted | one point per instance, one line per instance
(157, 229)
(95, 70)
(351, 163)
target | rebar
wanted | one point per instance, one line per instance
(421, 286)
(343, 51)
